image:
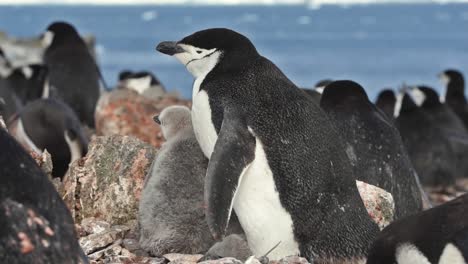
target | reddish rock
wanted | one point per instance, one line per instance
(125, 112)
(378, 202)
(107, 183)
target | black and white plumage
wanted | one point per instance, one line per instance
(447, 121)
(373, 144)
(144, 83)
(171, 213)
(269, 143)
(430, 151)
(435, 236)
(29, 82)
(73, 73)
(35, 224)
(50, 124)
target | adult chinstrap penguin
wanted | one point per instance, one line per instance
(73, 73)
(171, 213)
(35, 224)
(430, 151)
(373, 144)
(260, 131)
(447, 121)
(435, 236)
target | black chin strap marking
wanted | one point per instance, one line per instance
(207, 55)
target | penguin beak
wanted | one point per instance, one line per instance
(169, 48)
(156, 119)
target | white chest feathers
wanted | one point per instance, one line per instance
(201, 119)
(264, 220)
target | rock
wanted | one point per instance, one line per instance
(378, 202)
(44, 161)
(291, 260)
(107, 183)
(92, 225)
(229, 261)
(175, 258)
(99, 241)
(125, 112)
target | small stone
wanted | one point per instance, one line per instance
(92, 225)
(131, 244)
(227, 261)
(96, 242)
(182, 258)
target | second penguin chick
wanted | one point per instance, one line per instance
(171, 212)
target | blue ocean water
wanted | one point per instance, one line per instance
(375, 45)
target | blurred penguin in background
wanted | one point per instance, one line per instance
(144, 83)
(73, 73)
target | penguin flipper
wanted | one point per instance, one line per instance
(234, 151)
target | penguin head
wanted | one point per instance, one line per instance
(125, 74)
(425, 96)
(59, 33)
(320, 85)
(204, 50)
(386, 101)
(174, 119)
(386, 96)
(30, 82)
(454, 83)
(344, 93)
(144, 74)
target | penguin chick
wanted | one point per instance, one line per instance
(171, 212)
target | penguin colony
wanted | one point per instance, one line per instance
(257, 167)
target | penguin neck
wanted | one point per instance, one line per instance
(456, 91)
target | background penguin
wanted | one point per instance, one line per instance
(35, 224)
(424, 237)
(144, 83)
(29, 82)
(316, 93)
(5, 65)
(373, 144)
(454, 95)
(429, 150)
(260, 132)
(12, 103)
(52, 125)
(447, 121)
(171, 214)
(73, 74)
(386, 102)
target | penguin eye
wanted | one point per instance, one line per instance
(199, 51)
